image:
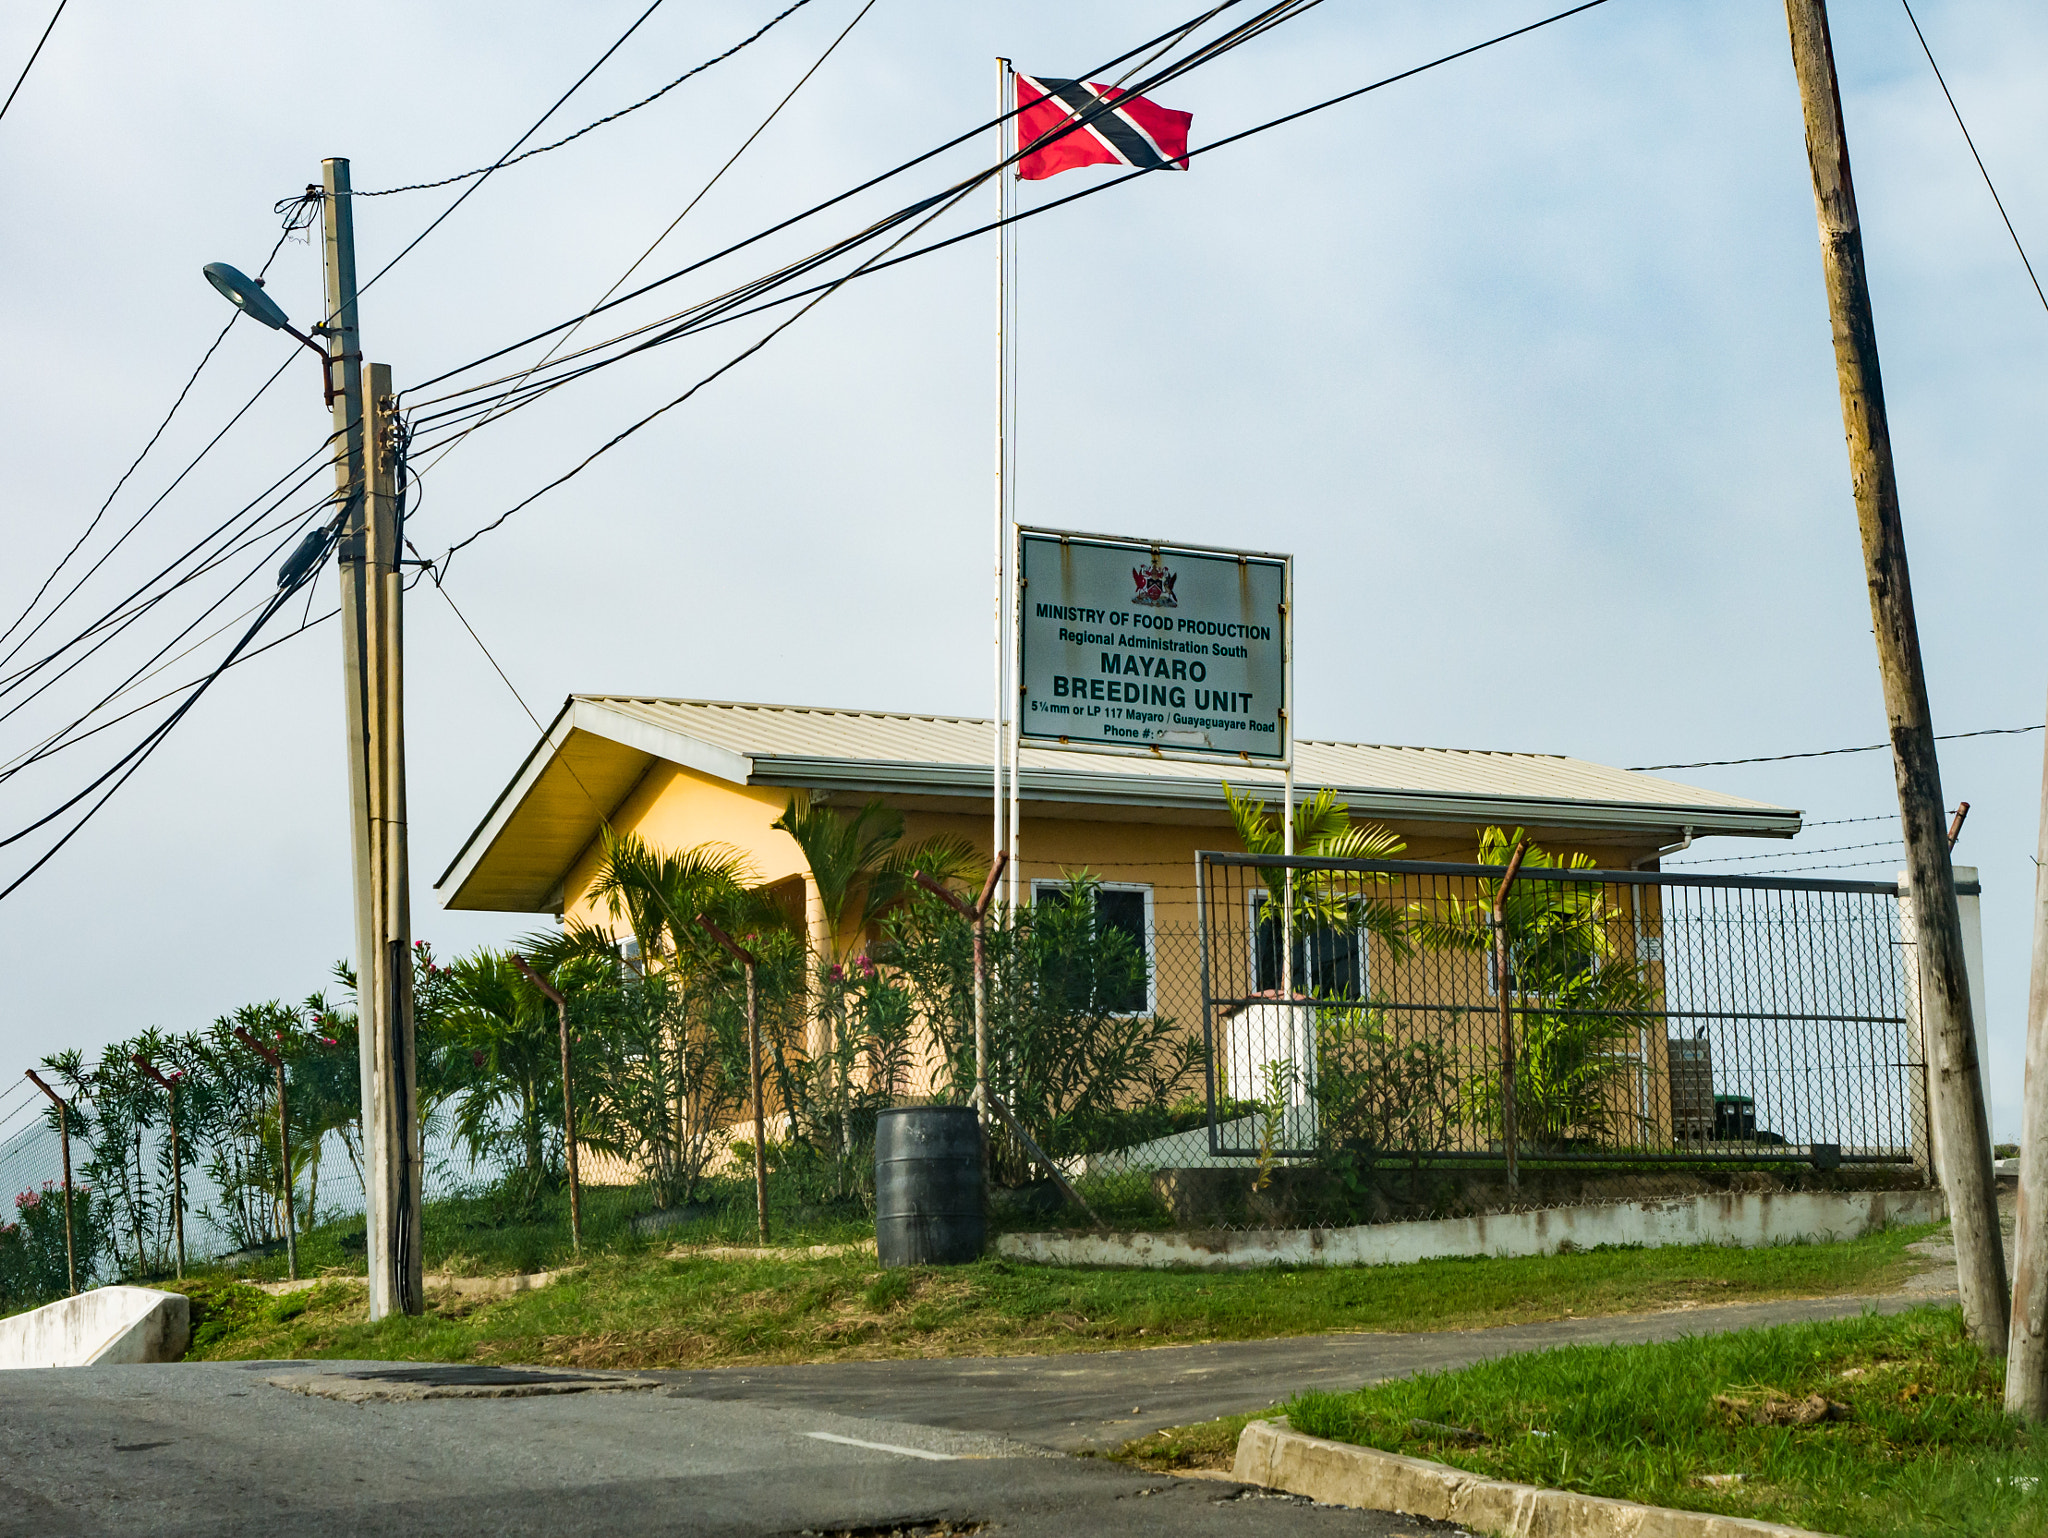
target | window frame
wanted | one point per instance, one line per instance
(1055, 885)
(1257, 898)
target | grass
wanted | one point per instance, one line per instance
(675, 1309)
(1921, 1446)
(1183, 1449)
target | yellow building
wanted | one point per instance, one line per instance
(685, 772)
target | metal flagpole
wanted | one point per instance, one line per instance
(1006, 236)
(996, 734)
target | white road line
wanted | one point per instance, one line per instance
(882, 1447)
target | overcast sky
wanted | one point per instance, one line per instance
(1526, 359)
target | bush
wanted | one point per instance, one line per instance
(33, 1269)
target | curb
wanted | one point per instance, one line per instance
(1339, 1474)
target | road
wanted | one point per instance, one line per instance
(865, 1448)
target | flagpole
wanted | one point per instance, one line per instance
(1006, 237)
(997, 735)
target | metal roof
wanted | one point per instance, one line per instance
(600, 745)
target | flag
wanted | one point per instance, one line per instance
(1118, 129)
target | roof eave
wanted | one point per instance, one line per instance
(1087, 787)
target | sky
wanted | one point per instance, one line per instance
(1526, 359)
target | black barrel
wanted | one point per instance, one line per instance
(928, 1186)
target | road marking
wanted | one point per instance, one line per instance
(882, 1447)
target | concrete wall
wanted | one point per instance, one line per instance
(1748, 1218)
(107, 1327)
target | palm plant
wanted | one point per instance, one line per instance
(861, 869)
(1326, 904)
(1582, 996)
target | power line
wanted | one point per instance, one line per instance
(1781, 854)
(295, 220)
(814, 209)
(484, 175)
(699, 197)
(881, 260)
(1981, 171)
(1873, 747)
(136, 757)
(645, 101)
(33, 57)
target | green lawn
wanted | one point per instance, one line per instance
(1919, 1443)
(675, 1310)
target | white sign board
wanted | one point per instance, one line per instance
(1132, 646)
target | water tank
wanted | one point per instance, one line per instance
(928, 1186)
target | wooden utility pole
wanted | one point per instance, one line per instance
(63, 1142)
(177, 1166)
(554, 994)
(372, 643)
(1956, 1095)
(745, 958)
(2026, 1363)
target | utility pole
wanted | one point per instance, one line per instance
(372, 642)
(1956, 1095)
(2026, 1362)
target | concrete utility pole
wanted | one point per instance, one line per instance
(2026, 1364)
(373, 643)
(1956, 1095)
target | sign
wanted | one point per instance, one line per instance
(1129, 646)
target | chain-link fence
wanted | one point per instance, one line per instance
(1376, 1038)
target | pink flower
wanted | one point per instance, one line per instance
(477, 1057)
(329, 1041)
(835, 973)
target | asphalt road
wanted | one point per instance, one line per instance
(866, 1448)
(216, 1448)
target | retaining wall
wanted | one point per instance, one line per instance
(1746, 1218)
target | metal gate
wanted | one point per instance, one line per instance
(1646, 1016)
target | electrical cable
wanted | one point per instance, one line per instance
(798, 218)
(1873, 747)
(882, 259)
(645, 101)
(136, 757)
(1967, 139)
(122, 614)
(699, 197)
(721, 308)
(485, 174)
(37, 54)
(295, 220)
(1784, 854)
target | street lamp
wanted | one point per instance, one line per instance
(246, 294)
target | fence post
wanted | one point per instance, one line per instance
(177, 1169)
(976, 917)
(284, 1149)
(549, 991)
(64, 1143)
(746, 961)
(1509, 1131)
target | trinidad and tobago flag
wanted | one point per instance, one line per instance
(1115, 129)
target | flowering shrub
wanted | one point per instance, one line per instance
(32, 1266)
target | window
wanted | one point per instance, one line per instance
(1330, 963)
(1121, 906)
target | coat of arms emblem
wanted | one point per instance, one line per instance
(1155, 587)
